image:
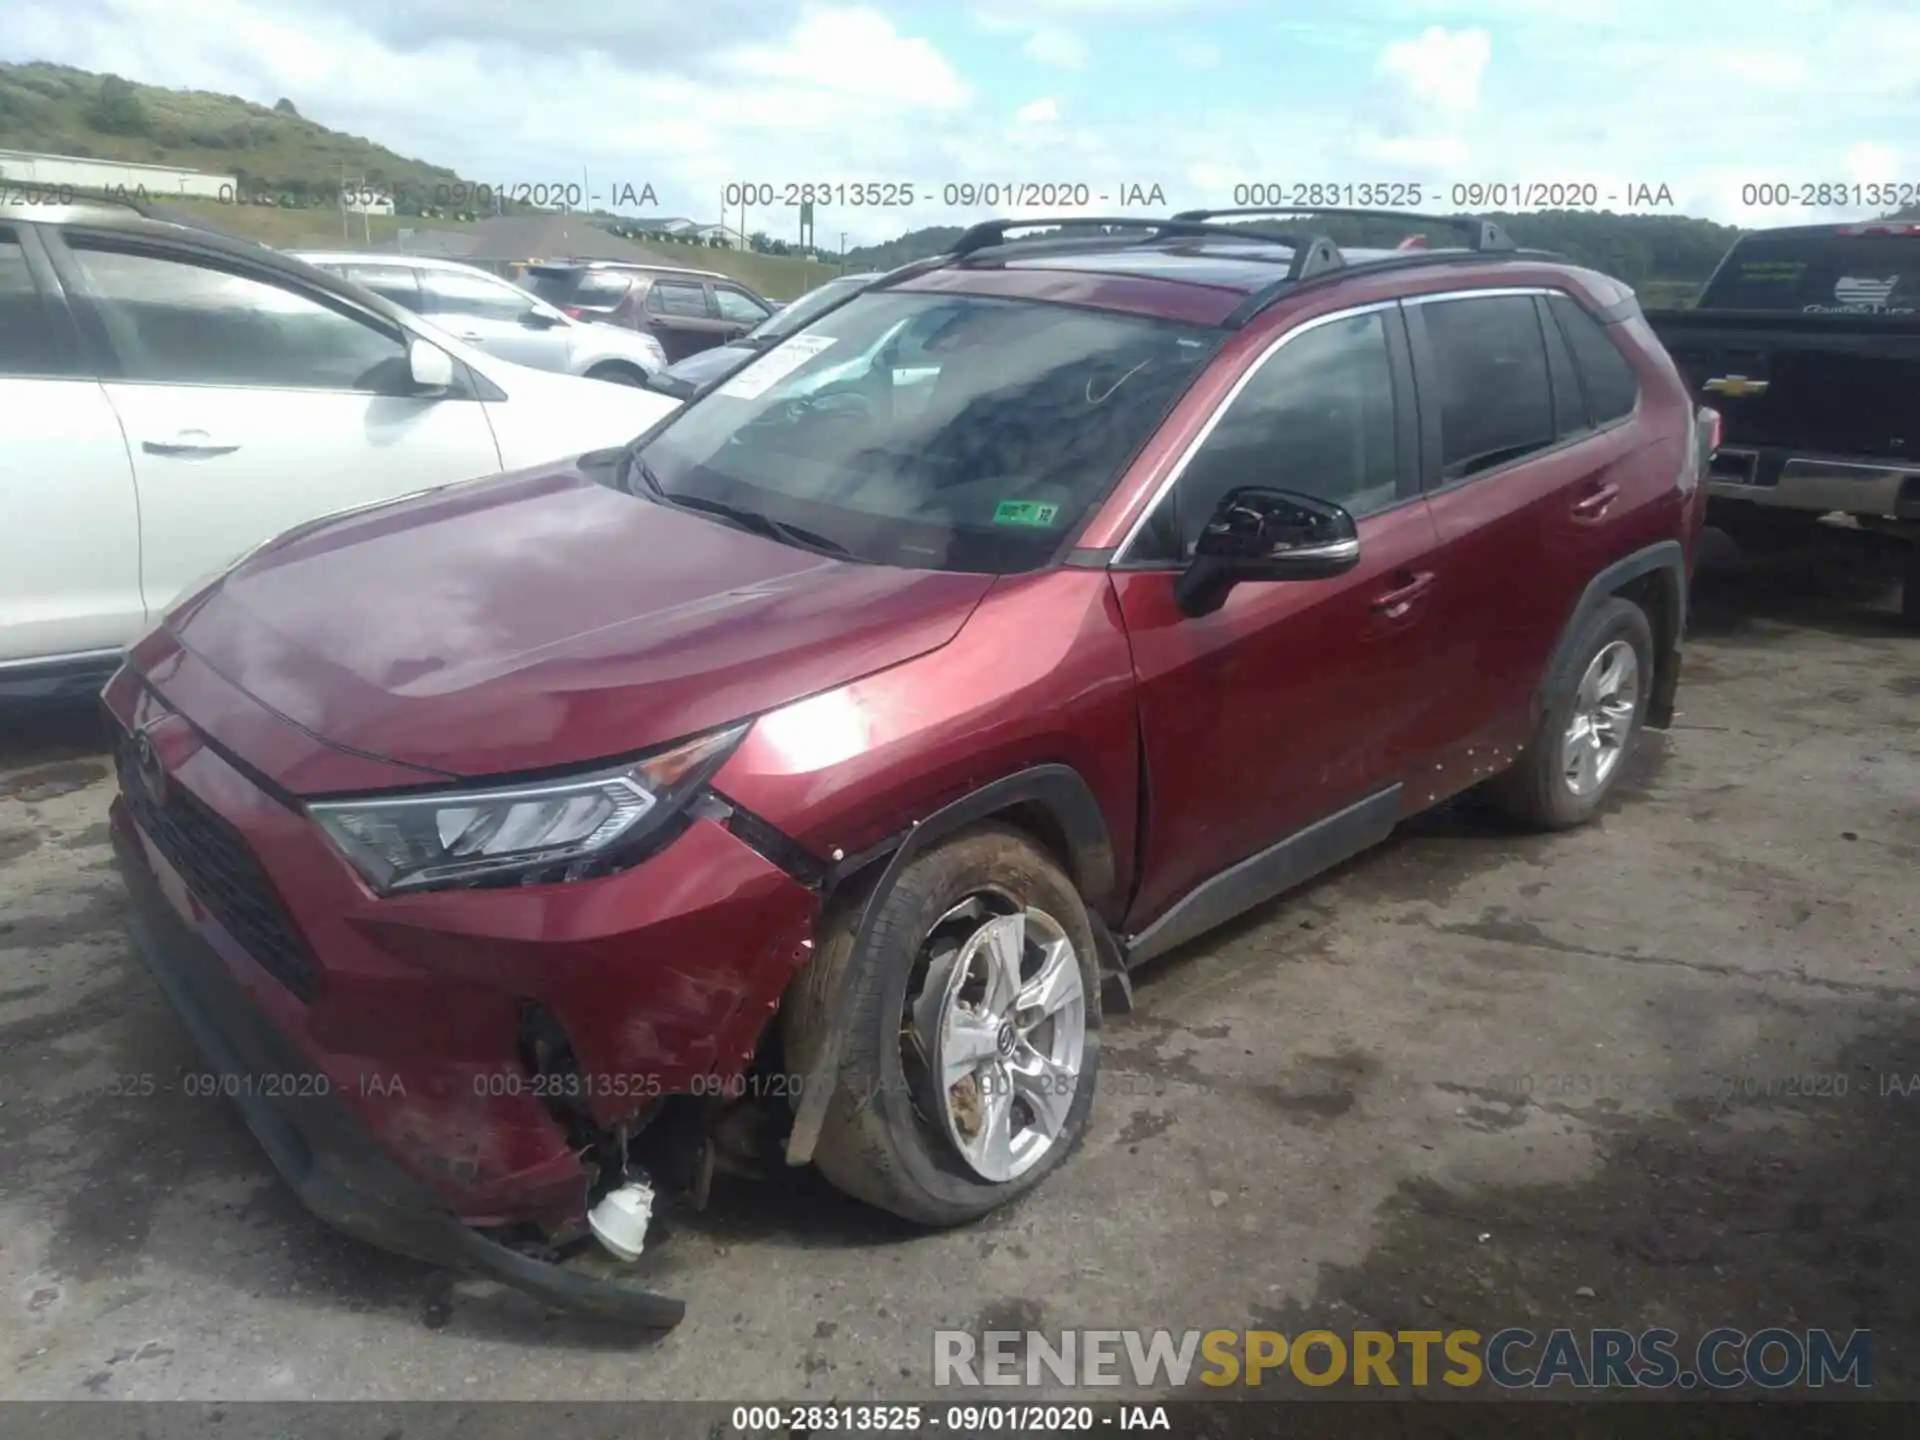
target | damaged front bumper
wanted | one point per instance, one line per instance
(334, 1166)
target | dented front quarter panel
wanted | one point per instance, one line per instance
(1041, 674)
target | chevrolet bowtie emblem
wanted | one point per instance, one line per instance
(1735, 386)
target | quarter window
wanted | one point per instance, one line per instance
(175, 322)
(1317, 419)
(1607, 378)
(1490, 367)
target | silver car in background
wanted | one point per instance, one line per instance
(498, 316)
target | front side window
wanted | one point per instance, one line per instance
(448, 292)
(183, 323)
(1316, 419)
(933, 431)
(1490, 367)
(394, 282)
(737, 307)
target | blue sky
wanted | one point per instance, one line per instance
(1197, 96)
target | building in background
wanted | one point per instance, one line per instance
(30, 169)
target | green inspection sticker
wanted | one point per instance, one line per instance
(1025, 512)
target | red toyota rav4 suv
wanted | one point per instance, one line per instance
(835, 747)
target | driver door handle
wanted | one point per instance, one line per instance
(187, 449)
(1596, 504)
(1396, 603)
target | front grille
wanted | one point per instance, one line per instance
(222, 873)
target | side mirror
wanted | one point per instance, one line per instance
(539, 319)
(428, 366)
(1261, 534)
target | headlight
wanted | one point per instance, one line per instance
(564, 829)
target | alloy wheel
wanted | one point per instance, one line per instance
(1596, 736)
(997, 1033)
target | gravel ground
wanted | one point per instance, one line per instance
(1649, 1072)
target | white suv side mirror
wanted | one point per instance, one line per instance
(429, 367)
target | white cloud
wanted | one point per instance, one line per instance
(1038, 112)
(1441, 68)
(1196, 54)
(1052, 45)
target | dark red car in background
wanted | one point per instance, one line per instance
(835, 747)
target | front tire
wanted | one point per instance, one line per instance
(968, 1072)
(616, 375)
(1596, 700)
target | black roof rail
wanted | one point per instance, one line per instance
(988, 233)
(1480, 234)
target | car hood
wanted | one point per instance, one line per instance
(706, 365)
(538, 619)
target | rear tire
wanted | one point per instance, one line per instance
(1587, 727)
(1910, 585)
(886, 1138)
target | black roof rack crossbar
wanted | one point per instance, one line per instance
(1269, 295)
(989, 233)
(1480, 234)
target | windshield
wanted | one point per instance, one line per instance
(1838, 274)
(806, 309)
(949, 432)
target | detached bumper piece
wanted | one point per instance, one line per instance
(333, 1166)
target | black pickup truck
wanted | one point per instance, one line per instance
(1807, 341)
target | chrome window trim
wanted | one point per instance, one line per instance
(1120, 554)
(1122, 551)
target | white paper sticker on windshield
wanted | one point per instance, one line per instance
(785, 358)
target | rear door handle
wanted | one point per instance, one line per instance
(1592, 507)
(187, 449)
(1396, 603)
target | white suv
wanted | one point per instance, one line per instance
(173, 397)
(498, 316)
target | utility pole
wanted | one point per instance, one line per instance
(843, 252)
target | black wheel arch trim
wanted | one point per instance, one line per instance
(1664, 557)
(1069, 802)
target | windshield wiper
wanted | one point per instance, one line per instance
(762, 524)
(737, 515)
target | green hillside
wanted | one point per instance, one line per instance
(73, 112)
(289, 168)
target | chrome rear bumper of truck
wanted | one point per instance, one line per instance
(1816, 484)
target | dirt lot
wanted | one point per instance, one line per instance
(1472, 1079)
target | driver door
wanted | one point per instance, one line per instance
(249, 406)
(1297, 698)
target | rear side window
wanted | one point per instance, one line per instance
(1819, 274)
(1490, 366)
(29, 345)
(1607, 379)
(672, 297)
